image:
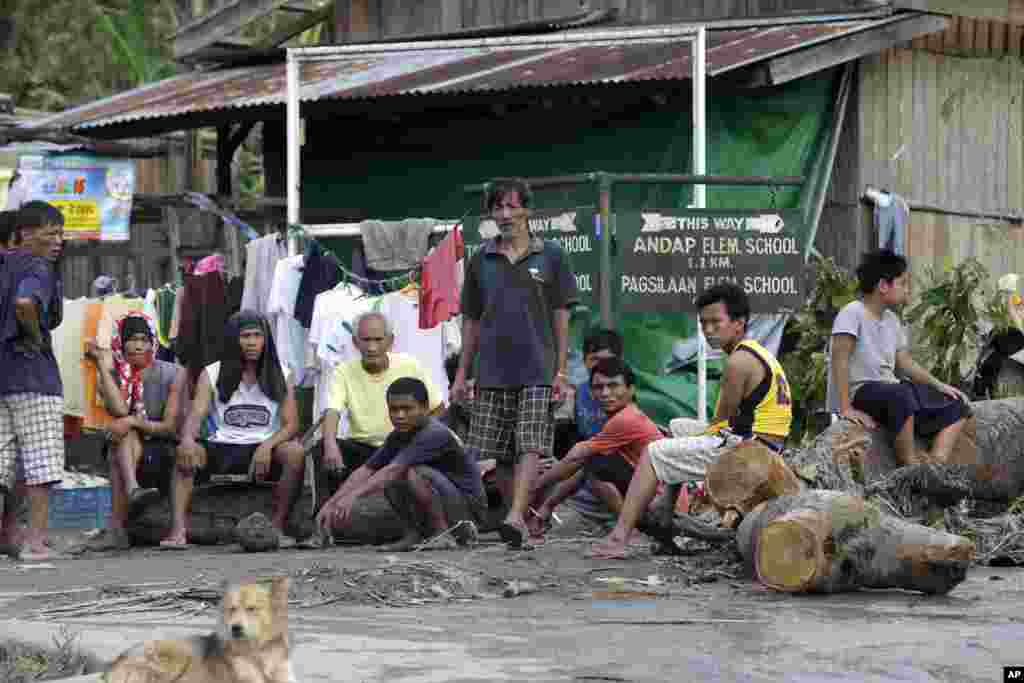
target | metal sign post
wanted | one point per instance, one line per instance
(293, 124)
(700, 72)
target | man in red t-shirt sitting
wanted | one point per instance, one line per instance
(608, 456)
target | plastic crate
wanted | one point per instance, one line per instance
(80, 508)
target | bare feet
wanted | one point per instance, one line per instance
(514, 533)
(176, 540)
(611, 547)
(10, 543)
(38, 551)
(405, 544)
(537, 524)
(139, 498)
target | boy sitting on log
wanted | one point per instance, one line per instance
(753, 403)
(869, 353)
(432, 483)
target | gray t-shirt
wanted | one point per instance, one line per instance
(874, 355)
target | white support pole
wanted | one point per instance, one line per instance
(698, 49)
(292, 124)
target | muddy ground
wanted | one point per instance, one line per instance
(440, 616)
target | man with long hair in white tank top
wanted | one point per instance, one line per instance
(255, 421)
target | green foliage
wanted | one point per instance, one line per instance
(135, 41)
(950, 317)
(806, 366)
(64, 53)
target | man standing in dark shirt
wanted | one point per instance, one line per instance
(422, 468)
(515, 305)
(31, 398)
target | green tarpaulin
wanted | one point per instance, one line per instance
(767, 132)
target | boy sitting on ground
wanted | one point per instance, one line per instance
(588, 420)
(432, 483)
(870, 350)
(609, 457)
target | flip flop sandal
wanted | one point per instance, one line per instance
(173, 545)
(624, 555)
(513, 536)
(140, 498)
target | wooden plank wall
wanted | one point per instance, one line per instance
(956, 122)
(412, 17)
(975, 37)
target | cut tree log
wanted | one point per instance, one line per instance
(217, 510)
(830, 542)
(746, 475)
(987, 462)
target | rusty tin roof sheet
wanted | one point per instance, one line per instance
(436, 70)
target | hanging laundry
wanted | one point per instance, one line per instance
(261, 258)
(179, 304)
(214, 263)
(165, 300)
(96, 415)
(330, 337)
(402, 309)
(320, 272)
(203, 320)
(395, 245)
(149, 307)
(67, 348)
(289, 335)
(892, 213)
(439, 289)
(233, 293)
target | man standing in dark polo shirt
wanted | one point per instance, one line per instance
(515, 305)
(31, 403)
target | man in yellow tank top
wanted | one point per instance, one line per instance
(754, 402)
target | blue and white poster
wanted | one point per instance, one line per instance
(94, 193)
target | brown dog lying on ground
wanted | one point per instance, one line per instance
(251, 646)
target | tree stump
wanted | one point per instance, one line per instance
(830, 542)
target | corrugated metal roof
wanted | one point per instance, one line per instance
(437, 69)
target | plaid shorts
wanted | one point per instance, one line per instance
(507, 423)
(31, 439)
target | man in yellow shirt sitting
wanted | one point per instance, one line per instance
(359, 390)
(754, 402)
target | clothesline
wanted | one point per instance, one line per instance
(395, 282)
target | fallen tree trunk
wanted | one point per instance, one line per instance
(745, 476)
(987, 462)
(216, 510)
(830, 542)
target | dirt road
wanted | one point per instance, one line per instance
(439, 616)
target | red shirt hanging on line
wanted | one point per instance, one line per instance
(439, 287)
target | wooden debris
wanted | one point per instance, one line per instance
(746, 475)
(829, 542)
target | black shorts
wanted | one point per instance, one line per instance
(892, 403)
(156, 467)
(353, 453)
(610, 467)
(227, 458)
